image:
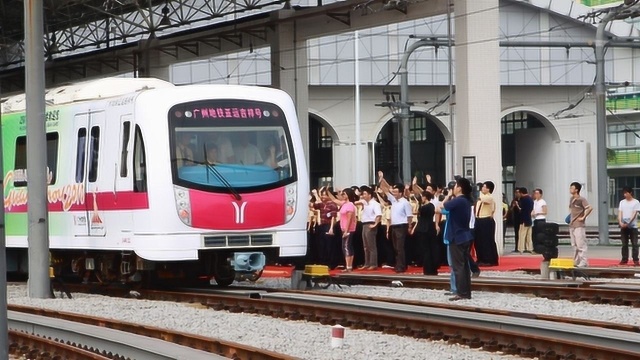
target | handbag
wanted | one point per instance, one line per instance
(568, 219)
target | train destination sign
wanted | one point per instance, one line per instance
(226, 113)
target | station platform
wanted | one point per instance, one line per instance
(598, 256)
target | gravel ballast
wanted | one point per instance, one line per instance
(310, 340)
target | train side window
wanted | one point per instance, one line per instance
(94, 150)
(80, 154)
(139, 163)
(20, 165)
(52, 157)
(126, 129)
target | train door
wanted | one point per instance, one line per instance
(90, 129)
(123, 178)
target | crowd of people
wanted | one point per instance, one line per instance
(393, 225)
(428, 225)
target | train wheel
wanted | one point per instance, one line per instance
(224, 275)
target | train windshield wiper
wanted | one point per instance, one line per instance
(212, 169)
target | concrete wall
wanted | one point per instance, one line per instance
(549, 158)
(553, 166)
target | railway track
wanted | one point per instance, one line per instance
(27, 346)
(527, 335)
(107, 345)
(572, 290)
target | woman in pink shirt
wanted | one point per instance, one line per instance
(348, 225)
(345, 201)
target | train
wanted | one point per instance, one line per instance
(151, 181)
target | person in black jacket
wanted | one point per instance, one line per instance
(515, 218)
(424, 231)
(526, 207)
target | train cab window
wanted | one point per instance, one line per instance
(139, 163)
(220, 145)
(94, 151)
(80, 154)
(126, 129)
(20, 165)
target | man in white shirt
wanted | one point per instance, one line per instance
(401, 217)
(370, 217)
(246, 153)
(539, 215)
(628, 221)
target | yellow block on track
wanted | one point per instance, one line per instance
(561, 264)
(316, 270)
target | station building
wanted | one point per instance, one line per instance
(548, 109)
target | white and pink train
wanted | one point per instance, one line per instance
(151, 180)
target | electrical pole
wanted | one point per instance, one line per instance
(619, 12)
(4, 334)
(601, 132)
(38, 219)
(405, 106)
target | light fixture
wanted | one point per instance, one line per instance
(165, 21)
(53, 44)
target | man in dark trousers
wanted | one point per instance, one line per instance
(401, 216)
(460, 237)
(515, 218)
(526, 207)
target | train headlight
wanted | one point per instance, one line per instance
(183, 205)
(290, 194)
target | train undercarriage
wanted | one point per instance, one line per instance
(220, 266)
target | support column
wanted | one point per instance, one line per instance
(37, 212)
(148, 61)
(477, 126)
(289, 73)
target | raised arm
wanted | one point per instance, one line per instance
(316, 194)
(334, 199)
(417, 190)
(383, 184)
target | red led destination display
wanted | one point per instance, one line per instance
(201, 112)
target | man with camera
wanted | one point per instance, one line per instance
(459, 235)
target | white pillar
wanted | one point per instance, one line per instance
(477, 125)
(289, 73)
(357, 163)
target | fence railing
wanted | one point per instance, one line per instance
(624, 157)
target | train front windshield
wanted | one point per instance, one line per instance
(218, 145)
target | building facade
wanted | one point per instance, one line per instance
(547, 120)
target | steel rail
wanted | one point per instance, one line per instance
(34, 347)
(554, 290)
(218, 347)
(475, 309)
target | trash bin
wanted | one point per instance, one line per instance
(547, 241)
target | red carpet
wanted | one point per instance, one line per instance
(507, 263)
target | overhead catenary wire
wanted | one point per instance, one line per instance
(324, 62)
